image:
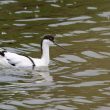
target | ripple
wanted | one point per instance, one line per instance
(55, 5)
(93, 54)
(8, 41)
(70, 23)
(62, 107)
(106, 34)
(2, 2)
(106, 41)
(28, 36)
(80, 99)
(87, 40)
(35, 19)
(9, 79)
(51, 1)
(99, 29)
(16, 50)
(3, 33)
(27, 11)
(42, 19)
(29, 33)
(105, 53)
(23, 11)
(65, 44)
(35, 101)
(18, 103)
(64, 23)
(104, 14)
(91, 73)
(19, 25)
(102, 108)
(79, 32)
(91, 83)
(28, 47)
(108, 88)
(70, 58)
(92, 8)
(7, 107)
(74, 33)
(80, 18)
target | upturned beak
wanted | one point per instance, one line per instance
(59, 45)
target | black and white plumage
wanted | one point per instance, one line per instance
(16, 60)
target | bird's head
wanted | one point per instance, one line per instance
(48, 39)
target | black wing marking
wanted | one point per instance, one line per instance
(11, 63)
(2, 52)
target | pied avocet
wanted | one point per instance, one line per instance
(15, 60)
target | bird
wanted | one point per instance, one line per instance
(15, 60)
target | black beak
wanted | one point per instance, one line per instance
(59, 45)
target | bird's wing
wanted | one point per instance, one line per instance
(13, 58)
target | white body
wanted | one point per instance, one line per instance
(22, 61)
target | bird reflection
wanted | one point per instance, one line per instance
(44, 72)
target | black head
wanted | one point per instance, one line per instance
(49, 37)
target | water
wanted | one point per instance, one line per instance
(75, 80)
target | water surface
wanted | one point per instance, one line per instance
(75, 80)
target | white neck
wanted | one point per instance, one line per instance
(45, 53)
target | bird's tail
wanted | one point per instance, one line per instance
(2, 52)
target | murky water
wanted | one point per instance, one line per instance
(75, 80)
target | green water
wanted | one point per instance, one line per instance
(75, 80)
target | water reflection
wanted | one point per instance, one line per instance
(75, 20)
(88, 73)
(105, 14)
(80, 18)
(2, 2)
(69, 58)
(93, 54)
(92, 8)
(40, 19)
(45, 74)
(75, 80)
(17, 81)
